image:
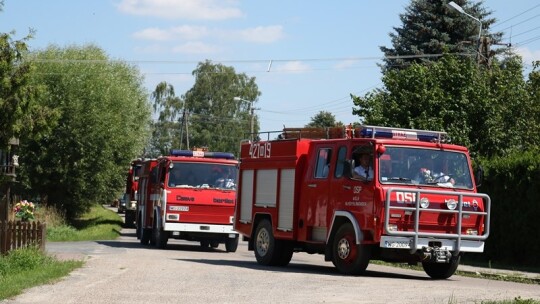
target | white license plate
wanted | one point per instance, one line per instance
(396, 244)
(179, 208)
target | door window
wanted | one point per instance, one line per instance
(323, 163)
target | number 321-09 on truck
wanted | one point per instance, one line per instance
(354, 195)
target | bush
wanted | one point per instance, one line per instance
(513, 183)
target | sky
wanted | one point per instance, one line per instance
(307, 55)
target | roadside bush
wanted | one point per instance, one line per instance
(513, 183)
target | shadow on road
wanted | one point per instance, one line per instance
(303, 268)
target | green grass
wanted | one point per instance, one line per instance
(98, 224)
(24, 268)
(28, 267)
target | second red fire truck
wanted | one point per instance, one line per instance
(132, 192)
(188, 195)
(413, 200)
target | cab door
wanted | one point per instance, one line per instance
(316, 192)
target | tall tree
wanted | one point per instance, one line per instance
(324, 119)
(102, 125)
(18, 111)
(432, 27)
(216, 119)
(167, 130)
(484, 110)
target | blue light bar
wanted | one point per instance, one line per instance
(404, 134)
(189, 153)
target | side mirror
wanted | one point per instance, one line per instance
(479, 176)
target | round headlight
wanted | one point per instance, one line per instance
(424, 202)
(451, 204)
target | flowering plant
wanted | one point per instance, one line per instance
(24, 210)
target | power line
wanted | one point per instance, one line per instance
(511, 18)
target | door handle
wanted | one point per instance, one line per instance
(312, 185)
(347, 187)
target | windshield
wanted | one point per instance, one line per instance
(425, 167)
(202, 175)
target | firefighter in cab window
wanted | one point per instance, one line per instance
(226, 181)
(364, 170)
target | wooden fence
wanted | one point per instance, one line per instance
(14, 235)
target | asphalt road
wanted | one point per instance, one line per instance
(123, 271)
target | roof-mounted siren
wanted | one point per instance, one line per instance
(404, 134)
(205, 154)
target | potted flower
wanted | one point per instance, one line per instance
(24, 210)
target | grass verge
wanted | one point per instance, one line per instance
(97, 224)
(28, 267)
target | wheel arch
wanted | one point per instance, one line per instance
(340, 218)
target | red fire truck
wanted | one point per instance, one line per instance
(188, 195)
(414, 200)
(131, 193)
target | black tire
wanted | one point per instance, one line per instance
(205, 244)
(231, 244)
(441, 271)
(129, 219)
(160, 237)
(214, 244)
(264, 244)
(349, 258)
(286, 253)
(146, 235)
(268, 250)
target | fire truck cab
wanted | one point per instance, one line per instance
(188, 195)
(413, 199)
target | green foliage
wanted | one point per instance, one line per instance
(485, 110)
(102, 124)
(167, 130)
(29, 267)
(432, 27)
(217, 120)
(97, 224)
(323, 119)
(18, 111)
(514, 188)
(207, 115)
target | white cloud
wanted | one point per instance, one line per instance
(292, 67)
(180, 32)
(262, 34)
(185, 9)
(196, 48)
(153, 34)
(528, 55)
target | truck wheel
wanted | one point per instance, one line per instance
(129, 219)
(441, 271)
(214, 244)
(265, 244)
(231, 244)
(348, 257)
(286, 253)
(160, 237)
(146, 235)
